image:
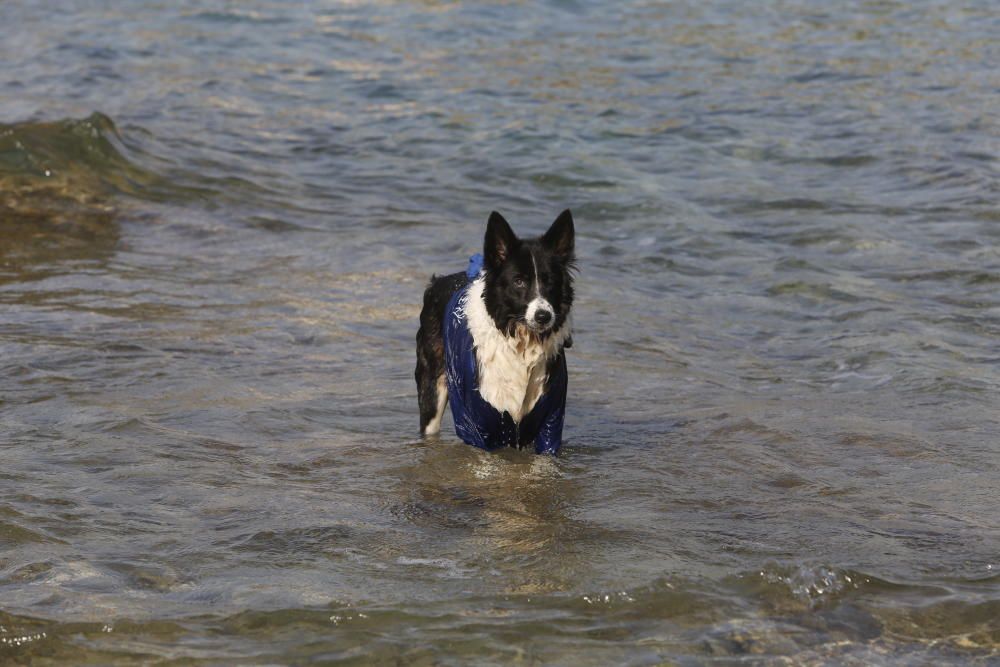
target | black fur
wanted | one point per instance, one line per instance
(511, 282)
(430, 342)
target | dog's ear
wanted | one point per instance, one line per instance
(560, 237)
(500, 241)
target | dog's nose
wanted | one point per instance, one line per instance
(543, 317)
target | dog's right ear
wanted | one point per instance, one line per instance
(500, 242)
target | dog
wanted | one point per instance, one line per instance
(492, 340)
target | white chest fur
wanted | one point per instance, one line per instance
(512, 369)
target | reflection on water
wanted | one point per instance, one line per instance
(501, 519)
(215, 227)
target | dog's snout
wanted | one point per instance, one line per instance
(543, 317)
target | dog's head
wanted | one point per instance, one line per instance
(529, 282)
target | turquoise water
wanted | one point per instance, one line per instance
(783, 428)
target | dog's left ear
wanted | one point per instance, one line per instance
(560, 237)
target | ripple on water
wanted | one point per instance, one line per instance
(13, 534)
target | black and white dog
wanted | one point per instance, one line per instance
(492, 341)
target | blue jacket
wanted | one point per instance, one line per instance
(477, 422)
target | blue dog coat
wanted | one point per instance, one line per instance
(477, 422)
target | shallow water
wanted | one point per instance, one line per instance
(784, 423)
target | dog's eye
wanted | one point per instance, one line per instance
(519, 282)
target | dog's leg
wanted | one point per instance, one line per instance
(432, 391)
(426, 383)
(433, 425)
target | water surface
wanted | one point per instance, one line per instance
(782, 440)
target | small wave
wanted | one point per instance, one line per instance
(296, 545)
(12, 534)
(233, 16)
(76, 159)
(449, 568)
(51, 189)
(63, 187)
(792, 588)
(72, 171)
(814, 585)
